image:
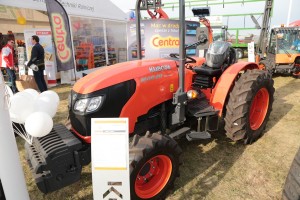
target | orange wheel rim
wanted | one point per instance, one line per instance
(259, 108)
(153, 176)
(296, 74)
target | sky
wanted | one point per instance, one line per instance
(280, 11)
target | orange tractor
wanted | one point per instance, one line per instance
(283, 52)
(164, 100)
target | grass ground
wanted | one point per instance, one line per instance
(216, 168)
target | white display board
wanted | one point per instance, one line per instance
(110, 158)
(251, 52)
(45, 37)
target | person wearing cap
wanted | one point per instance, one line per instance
(7, 59)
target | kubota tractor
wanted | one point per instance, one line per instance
(164, 99)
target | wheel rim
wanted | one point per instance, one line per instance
(153, 176)
(259, 108)
(240, 55)
(296, 73)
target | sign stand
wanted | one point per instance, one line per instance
(110, 158)
(11, 172)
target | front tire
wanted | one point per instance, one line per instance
(249, 106)
(291, 189)
(154, 165)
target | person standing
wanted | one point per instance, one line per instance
(296, 43)
(7, 58)
(37, 58)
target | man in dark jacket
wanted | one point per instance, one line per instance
(37, 58)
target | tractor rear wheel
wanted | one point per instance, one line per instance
(265, 65)
(154, 165)
(249, 106)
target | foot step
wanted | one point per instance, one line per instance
(198, 136)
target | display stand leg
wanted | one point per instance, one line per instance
(2, 196)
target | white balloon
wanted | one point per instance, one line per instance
(52, 95)
(21, 106)
(32, 92)
(24, 95)
(45, 104)
(38, 124)
(9, 91)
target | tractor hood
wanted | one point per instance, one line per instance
(114, 74)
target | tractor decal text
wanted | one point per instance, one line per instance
(159, 68)
(149, 78)
(165, 42)
(60, 38)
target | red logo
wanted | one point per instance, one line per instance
(60, 37)
(43, 33)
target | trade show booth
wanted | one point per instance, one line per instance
(98, 32)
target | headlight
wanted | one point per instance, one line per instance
(81, 105)
(94, 104)
(88, 104)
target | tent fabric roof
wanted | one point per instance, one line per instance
(104, 9)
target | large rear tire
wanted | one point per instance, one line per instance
(154, 165)
(291, 189)
(249, 106)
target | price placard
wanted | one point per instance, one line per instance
(110, 158)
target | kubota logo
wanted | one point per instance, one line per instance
(165, 42)
(60, 38)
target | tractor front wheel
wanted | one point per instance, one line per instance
(154, 165)
(249, 106)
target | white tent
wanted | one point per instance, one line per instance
(9, 15)
(104, 9)
(31, 11)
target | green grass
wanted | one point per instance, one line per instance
(216, 168)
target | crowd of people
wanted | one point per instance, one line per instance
(8, 61)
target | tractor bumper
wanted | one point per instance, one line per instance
(56, 159)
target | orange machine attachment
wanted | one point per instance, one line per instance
(206, 23)
(161, 14)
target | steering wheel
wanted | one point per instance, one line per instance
(190, 59)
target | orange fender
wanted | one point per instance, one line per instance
(226, 81)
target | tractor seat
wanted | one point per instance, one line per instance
(208, 71)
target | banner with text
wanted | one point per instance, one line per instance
(160, 38)
(61, 32)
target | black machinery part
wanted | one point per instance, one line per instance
(56, 159)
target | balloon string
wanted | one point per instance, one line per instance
(22, 132)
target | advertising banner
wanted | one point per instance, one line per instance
(160, 38)
(45, 37)
(61, 32)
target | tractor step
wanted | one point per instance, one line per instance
(177, 134)
(198, 136)
(200, 107)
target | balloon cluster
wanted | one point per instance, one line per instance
(34, 110)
